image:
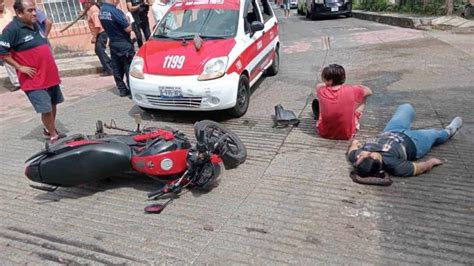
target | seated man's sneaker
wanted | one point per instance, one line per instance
(454, 126)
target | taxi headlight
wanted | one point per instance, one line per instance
(214, 68)
(136, 67)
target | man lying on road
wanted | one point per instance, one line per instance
(398, 146)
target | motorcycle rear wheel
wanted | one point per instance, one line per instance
(234, 152)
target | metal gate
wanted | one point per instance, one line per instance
(62, 12)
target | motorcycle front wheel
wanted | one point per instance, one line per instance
(233, 152)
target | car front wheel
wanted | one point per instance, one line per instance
(243, 98)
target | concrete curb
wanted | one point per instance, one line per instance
(454, 24)
(405, 22)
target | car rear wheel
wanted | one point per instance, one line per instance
(273, 69)
(312, 14)
(243, 98)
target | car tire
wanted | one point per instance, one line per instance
(243, 98)
(234, 152)
(348, 15)
(312, 14)
(273, 69)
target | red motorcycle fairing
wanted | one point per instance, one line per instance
(165, 163)
(165, 134)
(73, 144)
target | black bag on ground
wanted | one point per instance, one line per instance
(284, 118)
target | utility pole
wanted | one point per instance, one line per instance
(449, 7)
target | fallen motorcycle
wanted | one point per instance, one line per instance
(164, 154)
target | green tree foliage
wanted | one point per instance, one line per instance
(419, 7)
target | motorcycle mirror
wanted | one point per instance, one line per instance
(157, 208)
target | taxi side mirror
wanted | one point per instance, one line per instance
(256, 26)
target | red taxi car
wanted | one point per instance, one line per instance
(205, 55)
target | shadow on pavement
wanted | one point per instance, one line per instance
(37, 132)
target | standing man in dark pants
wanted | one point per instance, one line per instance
(118, 29)
(99, 37)
(139, 10)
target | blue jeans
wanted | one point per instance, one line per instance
(424, 139)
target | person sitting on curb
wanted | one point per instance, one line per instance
(339, 105)
(395, 150)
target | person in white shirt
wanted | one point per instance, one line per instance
(159, 9)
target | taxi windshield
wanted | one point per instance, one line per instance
(208, 23)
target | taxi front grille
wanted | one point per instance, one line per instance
(193, 102)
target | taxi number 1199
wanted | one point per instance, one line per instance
(174, 61)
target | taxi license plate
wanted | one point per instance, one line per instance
(170, 92)
(334, 9)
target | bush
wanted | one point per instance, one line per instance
(432, 7)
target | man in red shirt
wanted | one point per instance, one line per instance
(24, 46)
(340, 105)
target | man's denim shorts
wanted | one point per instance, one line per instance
(43, 100)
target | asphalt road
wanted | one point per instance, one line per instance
(292, 202)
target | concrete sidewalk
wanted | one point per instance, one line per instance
(453, 24)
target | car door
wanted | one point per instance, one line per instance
(269, 34)
(251, 57)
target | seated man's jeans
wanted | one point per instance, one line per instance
(424, 139)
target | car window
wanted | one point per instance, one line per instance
(251, 14)
(265, 9)
(208, 23)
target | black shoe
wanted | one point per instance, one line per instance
(124, 93)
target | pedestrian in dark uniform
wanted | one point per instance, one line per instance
(121, 49)
(139, 10)
(24, 46)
